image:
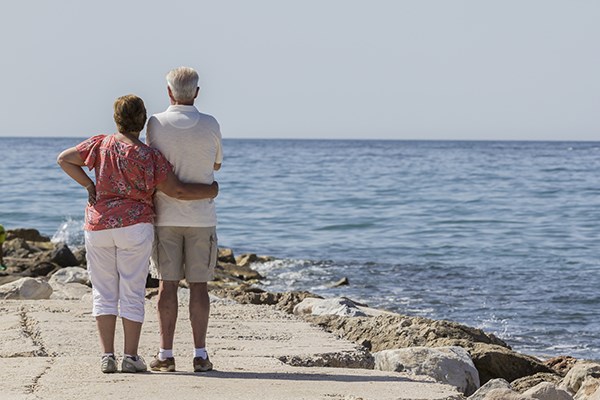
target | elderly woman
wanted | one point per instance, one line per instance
(118, 226)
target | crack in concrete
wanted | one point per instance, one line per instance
(31, 330)
(34, 386)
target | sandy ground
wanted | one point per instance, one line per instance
(49, 349)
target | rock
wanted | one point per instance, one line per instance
(68, 291)
(246, 259)
(483, 391)
(527, 382)
(450, 365)
(561, 364)
(342, 282)
(41, 269)
(547, 391)
(358, 358)
(26, 289)
(394, 331)
(71, 275)
(31, 235)
(288, 300)
(505, 394)
(493, 361)
(63, 256)
(226, 256)
(79, 254)
(334, 306)
(17, 248)
(578, 374)
(240, 271)
(589, 390)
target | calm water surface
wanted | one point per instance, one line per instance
(499, 235)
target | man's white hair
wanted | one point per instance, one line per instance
(183, 82)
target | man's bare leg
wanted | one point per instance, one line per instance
(167, 312)
(199, 312)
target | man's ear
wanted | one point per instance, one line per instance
(197, 91)
(170, 93)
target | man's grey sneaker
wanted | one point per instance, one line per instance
(108, 364)
(133, 365)
(167, 365)
(202, 365)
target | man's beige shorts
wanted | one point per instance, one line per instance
(185, 252)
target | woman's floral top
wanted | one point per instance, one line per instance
(126, 176)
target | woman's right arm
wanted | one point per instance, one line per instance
(71, 162)
(173, 187)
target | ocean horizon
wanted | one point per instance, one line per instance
(500, 235)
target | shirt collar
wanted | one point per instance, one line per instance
(182, 108)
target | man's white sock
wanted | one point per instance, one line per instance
(201, 352)
(164, 354)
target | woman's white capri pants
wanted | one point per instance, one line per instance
(117, 261)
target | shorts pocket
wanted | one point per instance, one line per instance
(213, 251)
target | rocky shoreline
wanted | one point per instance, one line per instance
(478, 364)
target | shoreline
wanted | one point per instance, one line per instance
(380, 336)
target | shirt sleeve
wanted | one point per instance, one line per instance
(88, 150)
(159, 171)
(219, 156)
(150, 131)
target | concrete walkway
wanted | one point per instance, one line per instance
(49, 350)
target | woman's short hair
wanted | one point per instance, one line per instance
(183, 82)
(130, 114)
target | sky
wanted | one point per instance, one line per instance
(329, 69)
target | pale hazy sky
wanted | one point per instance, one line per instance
(418, 69)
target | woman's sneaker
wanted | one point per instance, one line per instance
(167, 365)
(133, 364)
(108, 364)
(202, 364)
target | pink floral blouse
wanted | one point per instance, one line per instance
(126, 176)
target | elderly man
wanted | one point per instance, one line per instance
(186, 240)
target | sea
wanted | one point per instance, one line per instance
(499, 235)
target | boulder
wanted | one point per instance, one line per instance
(288, 300)
(450, 365)
(561, 364)
(79, 253)
(68, 291)
(483, 391)
(394, 331)
(246, 259)
(41, 269)
(226, 255)
(527, 382)
(589, 390)
(547, 391)
(31, 235)
(493, 361)
(334, 306)
(26, 289)
(63, 256)
(249, 258)
(578, 374)
(358, 358)
(242, 272)
(17, 248)
(342, 282)
(505, 394)
(71, 275)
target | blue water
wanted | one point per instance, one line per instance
(499, 235)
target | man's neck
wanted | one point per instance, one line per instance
(177, 103)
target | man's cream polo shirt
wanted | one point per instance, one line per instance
(191, 141)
